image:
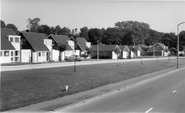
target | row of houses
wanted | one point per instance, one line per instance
(124, 51)
(37, 47)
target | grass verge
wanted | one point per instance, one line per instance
(22, 88)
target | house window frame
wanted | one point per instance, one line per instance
(43, 53)
(17, 40)
(6, 53)
(11, 39)
(39, 54)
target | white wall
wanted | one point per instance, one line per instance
(43, 57)
(125, 54)
(25, 55)
(34, 57)
(55, 55)
(7, 59)
(114, 55)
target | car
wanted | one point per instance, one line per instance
(72, 58)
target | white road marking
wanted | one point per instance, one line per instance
(174, 91)
(148, 110)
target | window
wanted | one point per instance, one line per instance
(23, 41)
(11, 39)
(16, 39)
(16, 59)
(11, 58)
(16, 53)
(1, 53)
(39, 54)
(6, 53)
(11, 53)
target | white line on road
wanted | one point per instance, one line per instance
(148, 110)
(174, 91)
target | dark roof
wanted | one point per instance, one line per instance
(123, 47)
(104, 47)
(81, 42)
(61, 40)
(161, 45)
(5, 44)
(36, 40)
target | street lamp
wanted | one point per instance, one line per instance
(178, 43)
(98, 50)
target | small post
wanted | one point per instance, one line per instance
(66, 88)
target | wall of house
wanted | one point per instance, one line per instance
(26, 55)
(114, 55)
(125, 54)
(7, 56)
(88, 44)
(34, 57)
(55, 55)
(42, 56)
(138, 53)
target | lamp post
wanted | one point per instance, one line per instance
(178, 43)
(98, 50)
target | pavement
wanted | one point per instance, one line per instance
(64, 64)
(81, 97)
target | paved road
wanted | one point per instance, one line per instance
(64, 64)
(164, 93)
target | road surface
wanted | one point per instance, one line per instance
(161, 94)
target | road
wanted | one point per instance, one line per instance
(161, 94)
(64, 64)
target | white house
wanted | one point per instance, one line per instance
(124, 51)
(35, 42)
(9, 53)
(62, 47)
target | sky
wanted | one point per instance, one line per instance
(163, 16)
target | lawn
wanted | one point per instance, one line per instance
(22, 88)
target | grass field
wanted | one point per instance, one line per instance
(22, 88)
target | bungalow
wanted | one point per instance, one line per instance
(158, 49)
(131, 52)
(124, 51)
(35, 42)
(138, 50)
(10, 46)
(62, 47)
(83, 46)
(106, 51)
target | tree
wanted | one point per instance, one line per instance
(182, 40)
(57, 30)
(52, 30)
(84, 33)
(44, 29)
(3, 25)
(61, 48)
(112, 36)
(33, 24)
(136, 31)
(65, 31)
(169, 39)
(12, 26)
(95, 35)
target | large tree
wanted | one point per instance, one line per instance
(44, 29)
(65, 31)
(58, 30)
(95, 35)
(84, 33)
(135, 32)
(169, 39)
(112, 36)
(33, 24)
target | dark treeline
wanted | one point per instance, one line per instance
(124, 33)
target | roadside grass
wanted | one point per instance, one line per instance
(25, 87)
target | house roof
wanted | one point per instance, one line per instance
(104, 47)
(124, 47)
(81, 42)
(5, 44)
(61, 40)
(36, 40)
(161, 46)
